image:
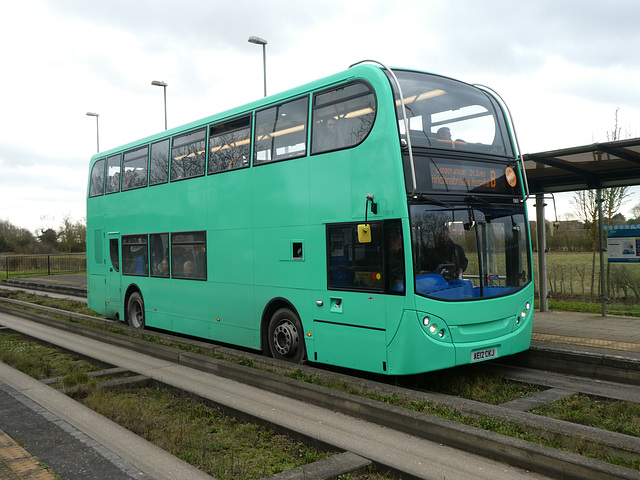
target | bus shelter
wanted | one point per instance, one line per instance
(589, 167)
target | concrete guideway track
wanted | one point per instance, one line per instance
(415, 456)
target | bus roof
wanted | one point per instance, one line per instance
(360, 70)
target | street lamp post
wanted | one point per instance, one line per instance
(93, 114)
(263, 42)
(157, 83)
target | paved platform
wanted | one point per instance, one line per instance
(613, 332)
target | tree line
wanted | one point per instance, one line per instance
(69, 237)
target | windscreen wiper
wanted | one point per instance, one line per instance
(433, 201)
(469, 199)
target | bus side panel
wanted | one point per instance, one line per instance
(285, 186)
(96, 293)
(350, 346)
(230, 257)
(231, 297)
(229, 201)
(232, 314)
(189, 308)
(158, 303)
(330, 187)
(350, 328)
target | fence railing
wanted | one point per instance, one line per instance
(34, 265)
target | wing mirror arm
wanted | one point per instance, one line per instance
(364, 230)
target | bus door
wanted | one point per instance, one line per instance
(113, 297)
(96, 265)
(350, 318)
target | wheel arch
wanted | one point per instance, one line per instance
(131, 289)
(272, 307)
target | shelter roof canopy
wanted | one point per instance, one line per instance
(600, 165)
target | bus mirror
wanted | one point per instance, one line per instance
(364, 233)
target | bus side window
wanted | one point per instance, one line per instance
(96, 182)
(134, 169)
(159, 163)
(353, 265)
(159, 246)
(114, 254)
(342, 117)
(230, 145)
(113, 174)
(135, 258)
(281, 131)
(188, 155)
(189, 255)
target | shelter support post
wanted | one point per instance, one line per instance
(603, 279)
(543, 289)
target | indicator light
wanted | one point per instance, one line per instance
(433, 328)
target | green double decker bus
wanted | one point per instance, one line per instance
(373, 219)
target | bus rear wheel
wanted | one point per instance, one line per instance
(135, 311)
(286, 341)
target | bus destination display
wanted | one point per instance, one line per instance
(467, 176)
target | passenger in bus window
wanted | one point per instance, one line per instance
(444, 133)
(329, 136)
(137, 265)
(126, 181)
(163, 267)
(188, 269)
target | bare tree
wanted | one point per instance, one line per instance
(585, 204)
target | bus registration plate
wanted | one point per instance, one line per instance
(484, 354)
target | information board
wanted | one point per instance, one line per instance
(623, 245)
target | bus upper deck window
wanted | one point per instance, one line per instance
(96, 181)
(113, 174)
(342, 117)
(281, 131)
(230, 145)
(135, 169)
(188, 155)
(159, 163)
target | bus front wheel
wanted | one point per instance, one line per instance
(135, 311)
(286, 341)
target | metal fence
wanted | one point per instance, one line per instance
(34, 265)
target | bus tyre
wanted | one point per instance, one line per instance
(286, 341)
(135, 311)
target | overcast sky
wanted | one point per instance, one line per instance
(562, 66)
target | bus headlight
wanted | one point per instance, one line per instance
(434, 327)
(523, 313)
